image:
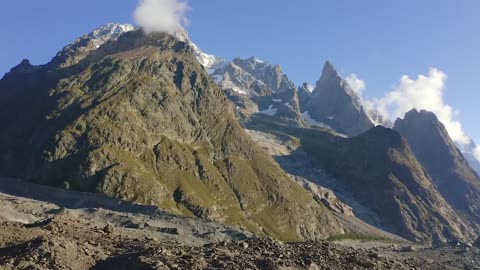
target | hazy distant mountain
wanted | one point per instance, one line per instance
(304, 94)
(449, 169)
(140, 119)
(467, 151)
(255, 86)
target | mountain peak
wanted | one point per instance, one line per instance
(82, 46)
(334, 103)
(24, 66)
(255, 60)
(444, 162)
(207, 60)
(250, 63)
(329, 71)
(424, 114)
(111, 30)
(425, 123)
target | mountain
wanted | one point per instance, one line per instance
(206, 60)
(81, 47)
(335, 104)
(375, 173)
(382, 172)
(444, 162)
(84, 45)
(140, 119)
(255, 86)
(304, 94)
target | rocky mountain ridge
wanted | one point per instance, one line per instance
(140, 119)
(379, 170)
(150, 119)
(334, 103)
(449, 169)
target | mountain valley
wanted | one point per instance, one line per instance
(148, 136)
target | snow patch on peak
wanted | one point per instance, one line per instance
(207, 60)
(100, 36)
(78, 49)
(257, 60)
(270, 111)
(226, 84)
(218, 78)
(111, 31)
(181, 34)
(314, 122)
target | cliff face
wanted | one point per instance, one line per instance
(334, 103)
(450, 171)
(140, 119)
(382, 172)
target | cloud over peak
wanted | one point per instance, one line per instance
(476, 152)
(161, 15)
(424, 92)
(356, 84)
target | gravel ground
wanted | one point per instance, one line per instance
(70, 244)
(58, 230)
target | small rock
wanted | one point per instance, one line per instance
(477, 243)
(109, 229)
(150, 238)
(409, 249)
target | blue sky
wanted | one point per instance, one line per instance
(378, 40)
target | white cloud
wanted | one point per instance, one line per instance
(424, 92)
(357, 84)
(160, 15)
(310, 87)
(476, 152)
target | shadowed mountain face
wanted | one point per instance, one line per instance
(380, 172)
(383, 173)
(450, 171)
(303, 96)
(140, 119)
(334, 103)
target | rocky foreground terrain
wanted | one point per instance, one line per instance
(46, 228)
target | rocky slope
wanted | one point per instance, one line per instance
(255, 86)
(352, 214)
(379, 170)
(81, 47)
(60, 246)
(47, 228)
(140, 119)
(382, 171)
(334, 103)
(304, 94)
(449, 169)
